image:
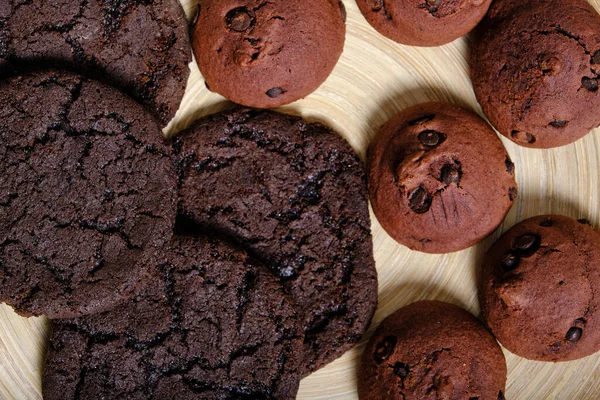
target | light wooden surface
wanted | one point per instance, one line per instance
(374, 79)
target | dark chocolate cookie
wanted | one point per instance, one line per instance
(87, 194)
(423, 22)
(432, 350)
(268, 53)
(440, 179)
(293, 193)
(211, 323)
(538, 82)
(539, 289)
(141, 46)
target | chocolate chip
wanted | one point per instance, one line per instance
(574, 334)
(509, 262)
(434, 3)
(590, 84)
(584, 221)
(451, 174)
(343, 11)
(510, 166)
(579, 321)
(546, 223)
(501, 396)
(376, 5)
(596, 58)
(558, 123)
(275, 92)
(401, 369)
(207, 85)
(526, 245)
(420, 201)
(196, 16)
(512, 193)
(522, 137)
(474, 398)
(238, 20)
(421, 120)
(385, 348)
(431, 138)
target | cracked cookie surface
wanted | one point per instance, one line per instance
(432, 350)
(538, 83)
(423, 22)
(211, 323)
(539, 289)
(294, 194)
(440, 179)
(87, 194)
(103, 38)
(268, 53)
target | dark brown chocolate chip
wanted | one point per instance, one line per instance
(420, 201)
(574, 334)
(275, 92)
(558, 123)
(596, 58)
(376, 5)
(401, 369)
(509, 262)
(434, 3)
(207, 85)
(385, 348)
(474, 398)
(526, 245)
(512, 193)
(451, 174)
(510, 166)
(238, 20)
(590, 84)
(522, 137)
(343, 11)
(501, 396)
(579, 321)
(421, 120)
(584, 221)
(546, 223)
(431, 138)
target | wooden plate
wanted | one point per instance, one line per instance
(374, 79)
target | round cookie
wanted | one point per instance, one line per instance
(268, 53)
(87, 195)
(539, 289)
(295, 195)
(141, 46)
(538, 83)
(432, 350)
(211, 323)
(440, 179)
(423, 23)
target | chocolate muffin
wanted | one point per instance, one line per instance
(423, 22)
(87, 195)
(440, 179)
(432, 350)
(140, 46)
(211, 323)
(268, 53)
(294, 194)
(539, 289)
(538, 83)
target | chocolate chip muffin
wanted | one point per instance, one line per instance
(212, 323)
(423, 22)
(538, 83)
(440, 179)
(141, 46)
(268, 53)
(539, 289)
(432, 350)
(295, 195)
(87, 194)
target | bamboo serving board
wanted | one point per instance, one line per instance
(374, 79)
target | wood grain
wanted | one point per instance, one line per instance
(374, 79)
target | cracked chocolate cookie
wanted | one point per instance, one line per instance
(212, 323)
(295, 195)
(538, 83)
(539, 289)
(432, 350)
(268, 53)
(87, 194)
(440, 179)
(141, 46)
(423, 22)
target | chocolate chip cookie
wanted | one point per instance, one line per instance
(294, 194)
(423, 22)
(141, 46)
(538, 83)
(432, 350)
(440, 179)
(211, 323)
(268, 53)
(539, 289)
(87, 194)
